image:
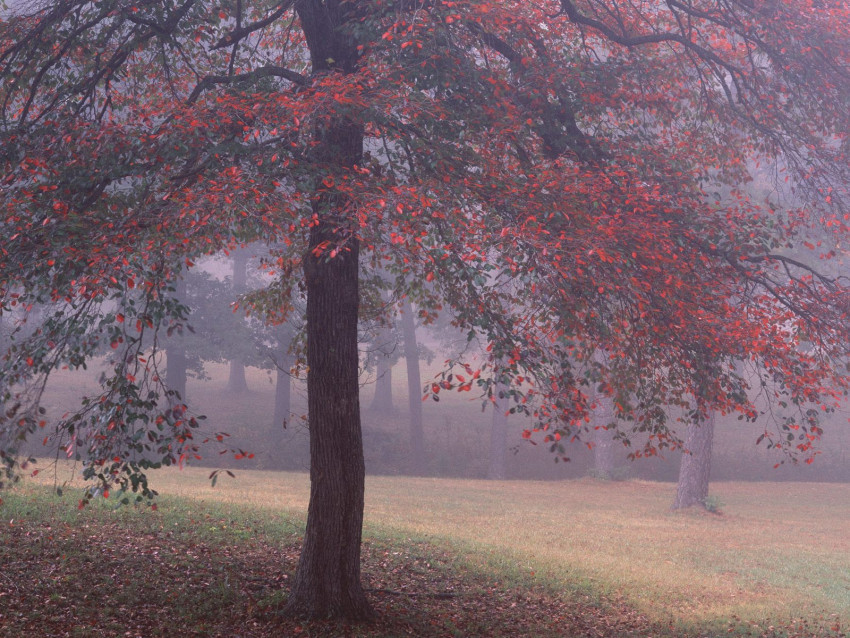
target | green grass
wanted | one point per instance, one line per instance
(778, 555)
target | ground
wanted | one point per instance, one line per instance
(136, 577)
(222, 568)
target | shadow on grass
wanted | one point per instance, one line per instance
(190, 569)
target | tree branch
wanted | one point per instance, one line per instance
(241, 32)
(560, 130)
(262, 72)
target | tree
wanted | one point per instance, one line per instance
(383, 354)
(283, 363)
(563, 146)
(418, 462)
(382, 400)
(236, 381)
(695, 470)
(602, 438)
(175, 354)
(496, 469)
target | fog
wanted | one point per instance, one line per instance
(249, 380)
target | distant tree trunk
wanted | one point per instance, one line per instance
(602, 437)
(695, 468)
(382, 401)
(282, 395)
(498, 435)
(175, 355)
(175, 372)
(414, 389)
(236, 381)
(327, 581)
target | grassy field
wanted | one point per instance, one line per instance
(776, 560)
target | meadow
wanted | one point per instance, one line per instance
(444, 555)
(774, 561)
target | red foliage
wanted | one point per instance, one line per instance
(565, 177)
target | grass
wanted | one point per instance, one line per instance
(216, 569)
(777, 556)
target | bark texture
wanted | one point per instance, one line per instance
(418, 462)
(327, 581)
(695, 469)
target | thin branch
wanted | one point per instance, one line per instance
(240, 32)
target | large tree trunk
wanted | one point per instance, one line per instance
(236, 381)
(414, 390)
(327, 582)
(498, 435)
(696, 464)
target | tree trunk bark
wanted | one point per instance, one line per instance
(236, 381)
(695, 469)
(414, 390)
(327, 581)
(498, 435)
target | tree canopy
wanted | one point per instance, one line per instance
(562, 177)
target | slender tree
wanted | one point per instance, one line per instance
(384, 353)
(236, 381)
(175, 354)
(497, 470)
(283, 363)
(384, 346)
(418, 463)
(602, 437)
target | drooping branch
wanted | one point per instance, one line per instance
(262, 72)
(626, 39)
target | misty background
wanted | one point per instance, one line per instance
(248, 379)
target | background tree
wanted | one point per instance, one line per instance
(384, 350)
(418, 461)
(496, 469)
(175, 353)
(236, 381)
(695, 468)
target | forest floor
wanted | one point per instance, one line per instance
(195, 568)
(147, 576)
